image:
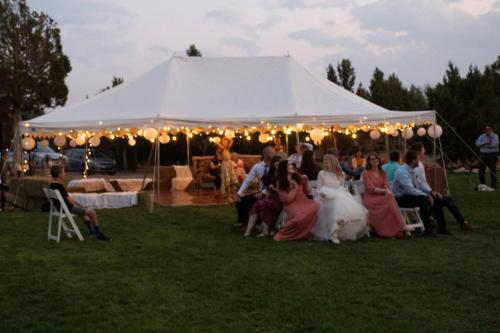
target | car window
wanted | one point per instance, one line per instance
(98, 154)
(43, 149)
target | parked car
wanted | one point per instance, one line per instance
(98, 161)
(39, 157)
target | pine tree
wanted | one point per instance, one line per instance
(362, 92)
(347, 75)
(192, 51)
(331, 75)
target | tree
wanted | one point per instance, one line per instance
(331, 75)
(346, 73)
(32, 63)
(377, 87)
(362, 92)
(116, 81)
(192, 51)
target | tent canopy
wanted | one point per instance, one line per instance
(197, 92)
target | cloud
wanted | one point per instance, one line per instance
(314, 37)
(224, 15)
(249, 47)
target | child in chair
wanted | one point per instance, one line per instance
(89, 215)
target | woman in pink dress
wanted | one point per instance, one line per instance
(301, 212)
(383, 211)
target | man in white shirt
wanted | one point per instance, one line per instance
(296, 158)
(243, 202)
(440, 200)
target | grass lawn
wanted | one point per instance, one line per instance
(187, 270)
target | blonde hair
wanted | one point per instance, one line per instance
(337, 170)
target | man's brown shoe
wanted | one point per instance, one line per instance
(466, 226)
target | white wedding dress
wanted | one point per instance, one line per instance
(339, 210)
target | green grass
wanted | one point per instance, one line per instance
(187, 270)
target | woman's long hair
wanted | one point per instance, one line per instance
(337, 170)
(369, 165)
(308, 167)
(283, 183)
(271, 174)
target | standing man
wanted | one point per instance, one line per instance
(243, 202)
(488, 147)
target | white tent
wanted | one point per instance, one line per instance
(205, 93)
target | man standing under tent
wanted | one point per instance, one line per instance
(440, 200)
(243, 202)
(488, 147)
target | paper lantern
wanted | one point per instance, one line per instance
(94, 141)
(263, 138)
(316, 135)
(407, 133)
(80, 140)
(215, 139)
(60, 140)
(131, 142)
(395, 133)
(375, 134)
(44, 143)
(164, 138)
(28, 143)
(230, 134)
(435, 131)
(421, 131)
(72, 144)
(150, 133)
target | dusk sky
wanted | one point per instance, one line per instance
(413, 38)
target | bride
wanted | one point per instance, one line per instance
(341, 217)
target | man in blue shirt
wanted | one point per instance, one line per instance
(409, 193)
(391, 167)
(488, 147)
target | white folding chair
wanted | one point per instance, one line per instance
(412, 219)
(62, 213)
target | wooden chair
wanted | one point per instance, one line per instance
(62, 213)
(412, 219)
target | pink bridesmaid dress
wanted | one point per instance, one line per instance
(383, 211)
(301, 216)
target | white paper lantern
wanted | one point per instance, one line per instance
(44, 143)
(80, 140)
(263, 138)
(375, 134)
(150, 133)
(216, 139)
(435, 131)
(72, 144)
(407, 133)
(28, 143)
(60, 140)
(230, 134)
(164, 138)
(316, 135)
(131, 142)
(390, 129)
(95, 141)
(395, 133)
(421, 131)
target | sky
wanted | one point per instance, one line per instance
(413, 38)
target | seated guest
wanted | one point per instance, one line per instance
(308, 167)
(383, 211)
(214, 171)
(239, 167)
(301, 212)
(296, 158)
(89, 215)
(269, 207)
(358, 161)
(391, 167)
(409, 193)
(243, 202)
(345, 168)
(341, 217)
(440, 200)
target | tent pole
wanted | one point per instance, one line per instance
(146, 169)
(188, 150)
(155, 182)
(158, 167)
(286, 144)
(444, 167)
(387, 143)
(434, 152)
